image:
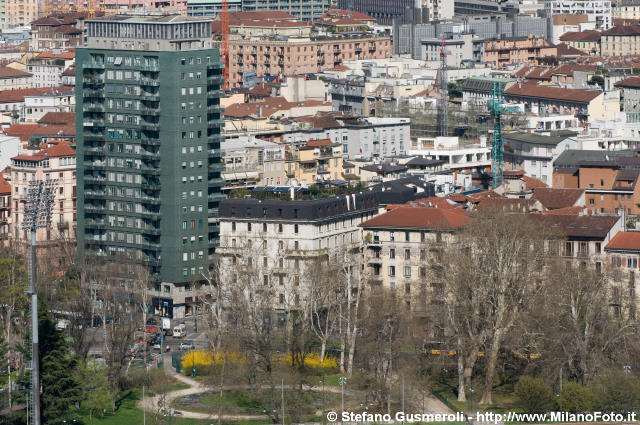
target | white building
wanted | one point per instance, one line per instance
(36, 106)
(244, 159)
(598, 11)
(458, 157)
(10, 146)
(534, 153)
(458, 48)
(47, 68)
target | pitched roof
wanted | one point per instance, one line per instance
(532, 183)
(62, 55)
(409, 217)
(318, 143)
(625, 241)
(10, 96)
(566, 50)
(555, 198)
(555, 93)
(587, 35)
(57, 149)
(631, 82)
(7, 72)
(70, 71)
(339, 13)
(584, 226)
(623, 30)
(261, 89)
(5, 187)
(60, 118)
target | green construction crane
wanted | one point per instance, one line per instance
(495, 106)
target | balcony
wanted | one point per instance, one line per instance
(94, 194)
(218, 181)
(92, 93)
(93, 123)
(92, 107)
(151, 126)
(216, 93)
(214, 197)
(95, 165)
(150, 112)
(94, 224)
(217, 109)
(94, 82)
(93, 65)
(149, 154)
(151, 141)
(150, 171)
(150, 68)
(215, 79)
(216, 123)
(94, 208)
(151, 97)
(150, 185)
(94, 179)
(154, 215)
(149, 82)
(150, 200)
(151, 231)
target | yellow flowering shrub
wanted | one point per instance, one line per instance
(312, 360)
(205, 358)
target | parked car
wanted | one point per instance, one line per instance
(151, 329)
(152, 321)
(186, 346)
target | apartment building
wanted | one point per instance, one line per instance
(305, 164)
(534, 153)
(279, 240)
(630, 95)
(621, 40)
(149, 133)
(57, 161)
(625, 9)
(38, 105)
(623, 255)
(244, 159)
(598, 11)
(457, 157)
(14, 79)
(585, 105)
(47, 68)
(6, 223)
(19, 13)
(58, 31)
(401, 245)
(529, 49)
(459, 48)
(587, 41)
(266, 57)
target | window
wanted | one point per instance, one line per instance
(392, 270)
(392, 236)
(296, 245)
(591, 201)
(407, 236)
(264, 227)
(233, 226)
(279, 227)
(167, 289)
(265, 261)
(295, 228)
(265, 279)
(248, 227)
(407, 271)
(392, 253)
(407, 254)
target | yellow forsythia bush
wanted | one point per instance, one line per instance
(206, 358)
(312, 360)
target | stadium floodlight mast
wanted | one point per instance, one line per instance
(37, 215)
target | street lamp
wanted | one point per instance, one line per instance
(193, 363)
(342, 381)
(37, 215)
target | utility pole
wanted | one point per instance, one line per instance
(403, 399)
(282, 398)
(342, 381)
(37, 215)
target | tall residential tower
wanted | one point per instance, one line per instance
(148, 147)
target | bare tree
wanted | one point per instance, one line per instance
(351, 281)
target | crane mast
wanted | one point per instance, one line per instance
(495, 106)
(224, 47)
(443, 89)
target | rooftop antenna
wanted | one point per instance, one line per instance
(443, 89)
(37, 215)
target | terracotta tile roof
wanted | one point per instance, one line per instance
(532, 183)
(20, 129)
(30, 158)
(625, 241)
(570, 68)
(409, 217)
(566, 50)
(70, 71)
(587, 35)
(5, 187)
(320, 121)
(624, 21)
(555, 93)
(339, 22)
(631, 82)
(567, 211)
(585, 226)
(7, 72)
(271, 24)
(57, 149)
(340, 68)
(318, 143)
(11, 96)
(60, 118)
(333, 13)
(68, 29)
(261, 89)
(62, 55)
(623, 30)
(554, 198)
(508, 204)
(260, 15)
(25, 131)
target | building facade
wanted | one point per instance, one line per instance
(149, 133)
(620, 41)
(529, 49)
(56, 162)
(598, 11)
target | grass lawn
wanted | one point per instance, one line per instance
(237, 400)
(503, 401)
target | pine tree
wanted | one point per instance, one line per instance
(61, 388)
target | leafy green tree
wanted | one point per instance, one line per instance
(534, 394)
(575, 398)
(616, 390)
(98, 396)
(61, 388)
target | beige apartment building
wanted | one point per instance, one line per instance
(530, 49)
(19, 13)
(57, 161)
(300, 56)
(620, 41)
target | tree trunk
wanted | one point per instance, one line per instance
(352, 350)
(221, 385)
(491, 369)
(342, 343)
(461, 390)
(323, 349)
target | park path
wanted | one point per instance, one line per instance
(154, 404)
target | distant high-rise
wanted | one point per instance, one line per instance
(148, 147)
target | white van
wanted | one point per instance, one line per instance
(179, 331)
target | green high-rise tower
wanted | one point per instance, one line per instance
(148, 148)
